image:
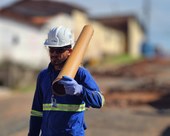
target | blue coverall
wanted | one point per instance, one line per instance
(67, 117)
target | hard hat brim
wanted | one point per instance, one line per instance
(46, 43)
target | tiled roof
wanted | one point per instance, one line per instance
(119, 22)
(36, 12)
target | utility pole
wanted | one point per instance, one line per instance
(147, 16)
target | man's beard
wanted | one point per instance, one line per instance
(57, 62)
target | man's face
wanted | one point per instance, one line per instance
(59, 55)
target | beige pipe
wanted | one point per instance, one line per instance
(73, 62)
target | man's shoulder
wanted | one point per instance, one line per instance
(43, 72)
(82, 69)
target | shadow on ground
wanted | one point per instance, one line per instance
(162, 103)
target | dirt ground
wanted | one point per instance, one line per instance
(110, 121)
(144, 82)
(137, 103)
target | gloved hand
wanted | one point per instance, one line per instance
(71, 86)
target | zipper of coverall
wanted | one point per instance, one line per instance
(52, 97)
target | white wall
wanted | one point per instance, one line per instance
(136, 37)
(22, 44)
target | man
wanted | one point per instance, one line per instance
(53, 115)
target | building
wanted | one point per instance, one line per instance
(24, 26)
(132, 29)
(23, 30)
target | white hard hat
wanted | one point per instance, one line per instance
(59, 37)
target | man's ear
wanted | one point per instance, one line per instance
(70, 51)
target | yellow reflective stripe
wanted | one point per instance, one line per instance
(64, 107)
(103, 100)
(36, 113)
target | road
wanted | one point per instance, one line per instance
(109, 121)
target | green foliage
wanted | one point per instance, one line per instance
(119, 60)
(25, 89)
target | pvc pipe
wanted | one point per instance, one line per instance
(73, 62)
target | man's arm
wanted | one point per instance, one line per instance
(87, 89)
(92, 98)
(36, 112)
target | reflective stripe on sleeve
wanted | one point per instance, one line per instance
(36, 113)
(64, 107)
(102, 97)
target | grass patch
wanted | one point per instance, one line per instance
(119, 60)
(25, 89)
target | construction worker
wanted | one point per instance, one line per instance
(53, 115)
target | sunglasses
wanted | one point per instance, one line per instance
(58, 50)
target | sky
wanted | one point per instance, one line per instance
(158, 19)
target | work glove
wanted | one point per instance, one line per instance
(71, 86)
